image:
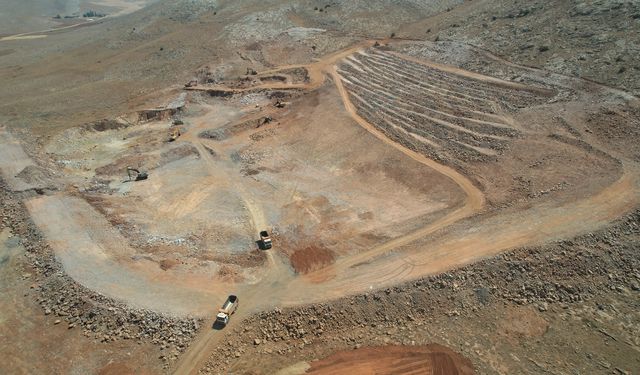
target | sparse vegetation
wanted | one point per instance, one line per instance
(93, 14)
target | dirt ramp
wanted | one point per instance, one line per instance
(431, 359)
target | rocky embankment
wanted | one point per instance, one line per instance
(77, 307)
(555, 280)
(590, 39)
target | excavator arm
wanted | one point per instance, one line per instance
(139, 175)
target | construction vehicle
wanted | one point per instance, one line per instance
(265, 240)
(280, 104)
(139, 175)
(174, 133)
(192, 83)
(230, 306)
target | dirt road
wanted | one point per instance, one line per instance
(473, 203)
(492, 236)
(317, 74)
(80, 235)
(380, 266)
(255, 295)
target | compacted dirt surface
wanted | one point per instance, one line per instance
(435, 205)
(432, 359)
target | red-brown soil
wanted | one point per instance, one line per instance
(311, 258)
(431, 359)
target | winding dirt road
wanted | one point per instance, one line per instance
(400, 259)
(535, 225)
(383, 265)
(256, 295)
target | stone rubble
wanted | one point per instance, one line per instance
(98, 316)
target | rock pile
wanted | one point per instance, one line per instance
(98, 316)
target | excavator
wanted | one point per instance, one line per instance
(138, 175)
(174, 133)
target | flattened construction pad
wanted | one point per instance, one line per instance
(431, 359)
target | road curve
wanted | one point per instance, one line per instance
(381, 265)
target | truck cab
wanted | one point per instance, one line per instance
(222, 318)
(265, 240)
(230, 306)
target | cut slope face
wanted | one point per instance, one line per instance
(17, 169)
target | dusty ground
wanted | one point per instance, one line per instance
(385, 161)
(566, 307)
(301, 190)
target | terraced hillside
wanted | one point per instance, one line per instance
(483, 126)
(444, 118)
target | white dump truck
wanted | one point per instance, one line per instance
(230, 306)
(265, 240)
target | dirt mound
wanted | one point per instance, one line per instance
(299, 74)
(167, 264)
(156, 114)
(119, 166)
(311, 258)
(246, 260)
(431, 359)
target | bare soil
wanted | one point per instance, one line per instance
(311, 258)
(571, 305)
(398, 154)
(63, 347)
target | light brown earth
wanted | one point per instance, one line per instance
(390, 161)
(189, 290)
